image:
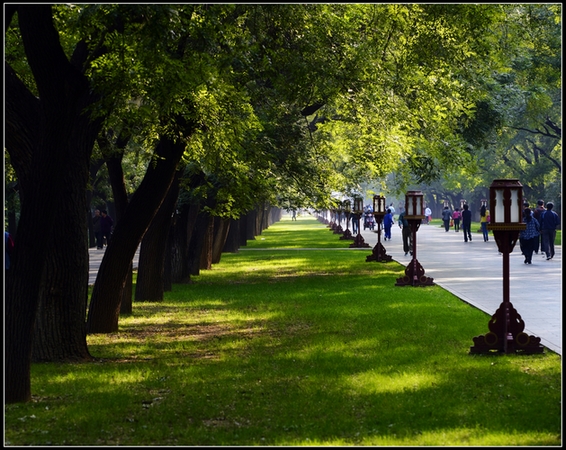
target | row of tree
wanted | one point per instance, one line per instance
(200, 115)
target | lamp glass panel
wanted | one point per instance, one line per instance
(515, 207)
(499, 207)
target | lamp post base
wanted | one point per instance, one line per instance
(359, 242)
(414, 276)
(379, 254)
(506, 339)
(347, 235)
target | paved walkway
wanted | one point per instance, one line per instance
(95, 257)
(473, 272)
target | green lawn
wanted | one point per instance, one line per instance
(291, 347)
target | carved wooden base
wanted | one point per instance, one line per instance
(379, 254)
(347, 235)
(359, 242)
(338, 229)
(510, 339)
(414, 276)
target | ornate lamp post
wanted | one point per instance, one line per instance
(414, 272)
(348, 211)
(506, 326)
(358, 210)
(379, 209)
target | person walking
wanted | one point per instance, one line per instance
(96, 228)
(406, 233)
(387, 224)
(528, 237)
(484, 220)
(537, 213)
(550, 221)
(467, 223)
(106, 223)
(428, 214)
(392, 211)
(446, 217)
(456, 215)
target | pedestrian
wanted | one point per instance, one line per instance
(528, 237)
(537, 213)
(428, 214)
(446, 217)
(106, 223)
(392, 211)
(484, 220)
(8, 248)
(456, 215)
(96, 229)
(387, 224)
(406, 233)
(550, 221)
(467, 223)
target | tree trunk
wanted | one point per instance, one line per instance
(206, 255)
(196, 244)
(221, 228)
(149, 286)
(232, 243)
(104, 307)
(116, 175)
(65, 133)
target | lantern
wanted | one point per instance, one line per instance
(506, 198)
(358, 205)
(414, 205)
(379, 205)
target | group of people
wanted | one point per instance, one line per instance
(464, 217)
(102, 226)
(540, 232)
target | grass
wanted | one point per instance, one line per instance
(292, 347)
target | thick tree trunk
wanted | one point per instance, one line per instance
(221, 228)
(150, 286)
(65, 134)
(104, 307)
(196, 243)
(232, 243)
(206, 255)
(116, 176)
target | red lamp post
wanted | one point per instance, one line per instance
(506, 327)
(414, 213)
(358, 210)
(379, 210)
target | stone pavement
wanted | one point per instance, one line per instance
(473, 271)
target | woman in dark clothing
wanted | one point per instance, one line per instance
(467, 223)
(528, 238)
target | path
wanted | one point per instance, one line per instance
(473, 272)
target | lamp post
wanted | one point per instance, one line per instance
(348, 211)
(378, 253)
(414, 214)
(506, 326)
(358, 210)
